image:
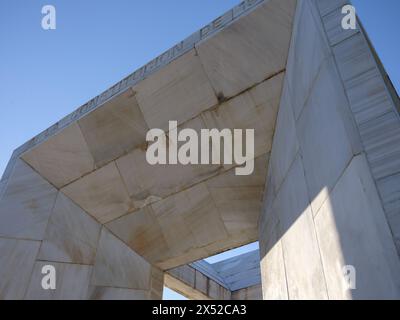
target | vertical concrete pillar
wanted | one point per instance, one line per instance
(323, 218)
(26, 203)
(45, 228)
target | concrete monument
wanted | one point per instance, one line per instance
(323, 200)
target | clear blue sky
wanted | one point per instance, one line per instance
(45, 75)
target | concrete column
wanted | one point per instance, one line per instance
(43, 227)
(322, 213)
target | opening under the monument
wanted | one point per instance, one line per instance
(229, 275)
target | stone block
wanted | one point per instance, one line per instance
(257, 57)
(255, 109)
(304, 273)
(352, 230)
(272, 264)
(71, 234)
(185, 274)
(327, 6)
(3, 184)
(189, 219)
(308, 42)
(142, 232)
(107, 293)
(285, 145)
(368, 96)
(250, 293)
(149, 183)
(334, 29)
(238, 198)
(102, 194)
(119, 266)
(353, 57)
(156, 284)
(201, 282)
(114, 129)
(381, 139)
(17, 260)
(389, 189)
(324, 138)
(72, 282)
(26, 205)
(62, 158)
(179, 92)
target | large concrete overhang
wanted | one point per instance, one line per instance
(224, 76)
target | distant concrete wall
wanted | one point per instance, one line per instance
(250, 293)
(195, 285)
(335, 139)
(236, 278)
